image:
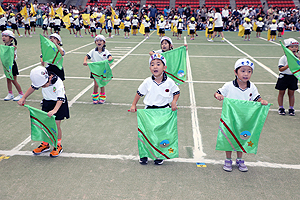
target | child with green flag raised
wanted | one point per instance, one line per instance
(240, 88)
(159, 91)
(98, 54)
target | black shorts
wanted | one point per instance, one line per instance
(179, 31)
(273, 33)
(86, 26)
(57, 71)
(72, 25)
(134, 27)
(162, 31)
(259, 29)
(116, 27)
(77, 28)
(280, 29)
(156, 107)
(63, 111)
(210, 31)
(247, 32)
(126, 29)
(45, 27)
(32, 24)
(147, 30)
(93, 29)
(27, 27)
(218, 29)
(56, 28)
(15, 70)
(14, 26)
(109, 29)
(192, 31)
(286, 82)
(3, 28)
(51, 25)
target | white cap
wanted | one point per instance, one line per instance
(39, 76)
(166, 38)
(157, 56)
(243, 62)
(56, 36)
(8, 33)
(99, 37)
(290, 41)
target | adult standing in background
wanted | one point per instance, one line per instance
(39, 15)
(153, 14)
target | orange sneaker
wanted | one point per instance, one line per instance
(56, 151)
(41, 149)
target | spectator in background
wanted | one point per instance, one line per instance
(166, 11)
(153, 14)
(180, 10)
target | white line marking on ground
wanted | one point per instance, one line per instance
(269, 41)
(198, 148)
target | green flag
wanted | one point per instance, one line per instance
(50, 52)
(101, 72)
(157, 133)
(240, 126)
(43, 128)
(176, 64)
(7, 55)
(293, 61)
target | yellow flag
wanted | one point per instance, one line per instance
(157, 30)
(172, 27)
(241, 31)
(66, 20)
(206, 32)
(188, 29)
(86, 19)
(32, 11)
(122, 26)
(24, 13)
(112, 21)
(254, 26)
(60, 13)
(102, 19)
(142, 29)
(175, 29)
(113, 13)
(2, 12)
(52, 13)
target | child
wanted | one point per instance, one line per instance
(3, 20)
(27, 26)
(159, 91)
(103, 27)
(247, 25)
(210, 26)
(286, 79)
(56, 39)
(179, 29)
(127, 25)
(109, 26)
(280, 27)
(273, 28)
(98, 54)
(135, 23)
(54, 103)
(192, 26)
(86, 26)
(147, 25)
(175, 22)
(93, 27)
(240, 88)
(8, 37)
(57, 23)
(117, 22)
(13, 23)
(32, 23)
(45, 25)
(161, 24)
(72, 24)
(166, 44)
(77, 26)
(259, 27)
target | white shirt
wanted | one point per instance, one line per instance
(273, 27)
(93, 24)
(158, 94)
(76, 22)
(117, 22)
(283, 62)
(281, 24)
(127, 23)
(3, 21)
(55, 91)
(218, 22)
(161, 24)
(175, 22)
(109, 24)
(57, 22)
(259, 24)
(46, 21)
(95, 56)
(231, 90)
(135, 22)
(25, 21)
(32, 19)
(247, 26)
(225, 13)
(180, 25)
(192, 26)
(12, 20)
(147, 24)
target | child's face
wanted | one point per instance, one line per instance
(54, 40)
(244, 73)
(165, 46)
(157, 67)
(99, 43)
(293, 48)
(6, 39)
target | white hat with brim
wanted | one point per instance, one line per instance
(243, 62)
(8, 33)
(157, 56)
(99, 37)
(290, 41)
(39, 76)
(56, 36)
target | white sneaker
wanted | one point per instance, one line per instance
(17, 98)
(9, 97)
(20, 35)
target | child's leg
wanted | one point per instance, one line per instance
(228, 154)
(58, 130)
(17, 85)
(102, 97)
(291, 98)
(9, 85)
(280, 98)
(58, 149)
(239, 154)
(95, 87)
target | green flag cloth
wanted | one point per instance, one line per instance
(50, 53)
(157, 133)
(176, 64)
(43, 128)
(240, 126)
(293, 61)
(7, 55)
(101, 72)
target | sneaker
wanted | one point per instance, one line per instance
(30, 35)
(17, 98)
(241, 165)
(281, 111)
(248, 39)
(81, 36)
(56, 151)
(227, 166)
(158, 162)
(291, 112)
(102, 99)
(20, 35)
(222, 40)
(8, 97)
(143, 161)
(75, 36)
(41, 149)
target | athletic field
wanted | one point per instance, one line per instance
(100, 157)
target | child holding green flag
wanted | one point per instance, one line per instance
(240, 88)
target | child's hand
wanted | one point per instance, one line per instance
(21, 102)
(15, 46)
(264, 102)
(219, 96)
(51, 113)
(132, 109)
(42, 63)
(186, 46)
(85, 63)
(174, 106)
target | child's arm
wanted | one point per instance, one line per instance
(85, 61)
(174, 102)
(55, 109)
(135, 100)
(59, 49)
(263, 102)
(281, 69)
(186, 46)
(151, 53)
(42, 62)
(218, 96)
(21, 102)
